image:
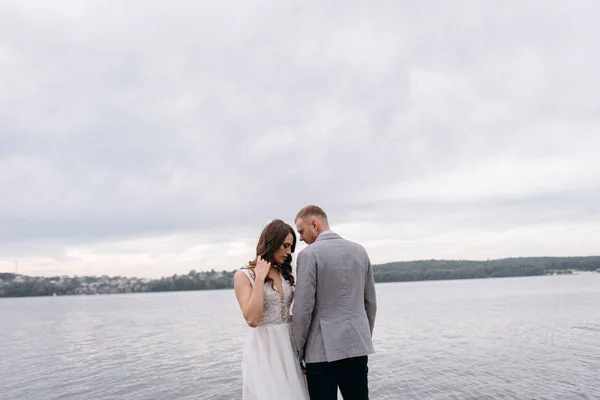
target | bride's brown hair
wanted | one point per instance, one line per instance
(270, 240)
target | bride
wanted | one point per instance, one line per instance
(265, 289)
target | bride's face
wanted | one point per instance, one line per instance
(284, 250)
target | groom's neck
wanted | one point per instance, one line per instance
(323, 229)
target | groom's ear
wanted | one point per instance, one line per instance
(315, 223)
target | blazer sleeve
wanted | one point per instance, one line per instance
(304, 300)
(370, 297)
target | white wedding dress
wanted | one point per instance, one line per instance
(270, 366)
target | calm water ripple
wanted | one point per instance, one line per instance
(521, 338)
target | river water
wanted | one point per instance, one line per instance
(515, 338)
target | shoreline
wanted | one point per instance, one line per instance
(574, 272)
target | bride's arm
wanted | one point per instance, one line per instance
(250, 298)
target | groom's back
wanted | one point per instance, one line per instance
(344, 310)
(342, 268)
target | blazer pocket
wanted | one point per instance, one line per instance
(340, 335)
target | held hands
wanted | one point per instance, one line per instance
(261, 269)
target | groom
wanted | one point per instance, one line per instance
(334, 310)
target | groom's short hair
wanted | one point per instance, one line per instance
(311, 211)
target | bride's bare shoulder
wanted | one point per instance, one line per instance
(242, 277)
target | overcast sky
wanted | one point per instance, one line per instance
(147, 138)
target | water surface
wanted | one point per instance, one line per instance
(516, 338)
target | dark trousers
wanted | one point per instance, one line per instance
(350, 375)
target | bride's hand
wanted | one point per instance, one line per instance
(262, 268)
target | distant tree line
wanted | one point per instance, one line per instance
(193, 281)
(426, 270)
(12, 285)
(34, 286)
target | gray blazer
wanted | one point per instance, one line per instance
(334, 302)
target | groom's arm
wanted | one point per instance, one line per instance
(304, 299)
(370, 297)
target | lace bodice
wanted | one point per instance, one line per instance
(275, 310)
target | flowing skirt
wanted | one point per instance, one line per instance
(270, 366)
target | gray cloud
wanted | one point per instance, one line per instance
(126, 122)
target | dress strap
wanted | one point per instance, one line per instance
(249, 275)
